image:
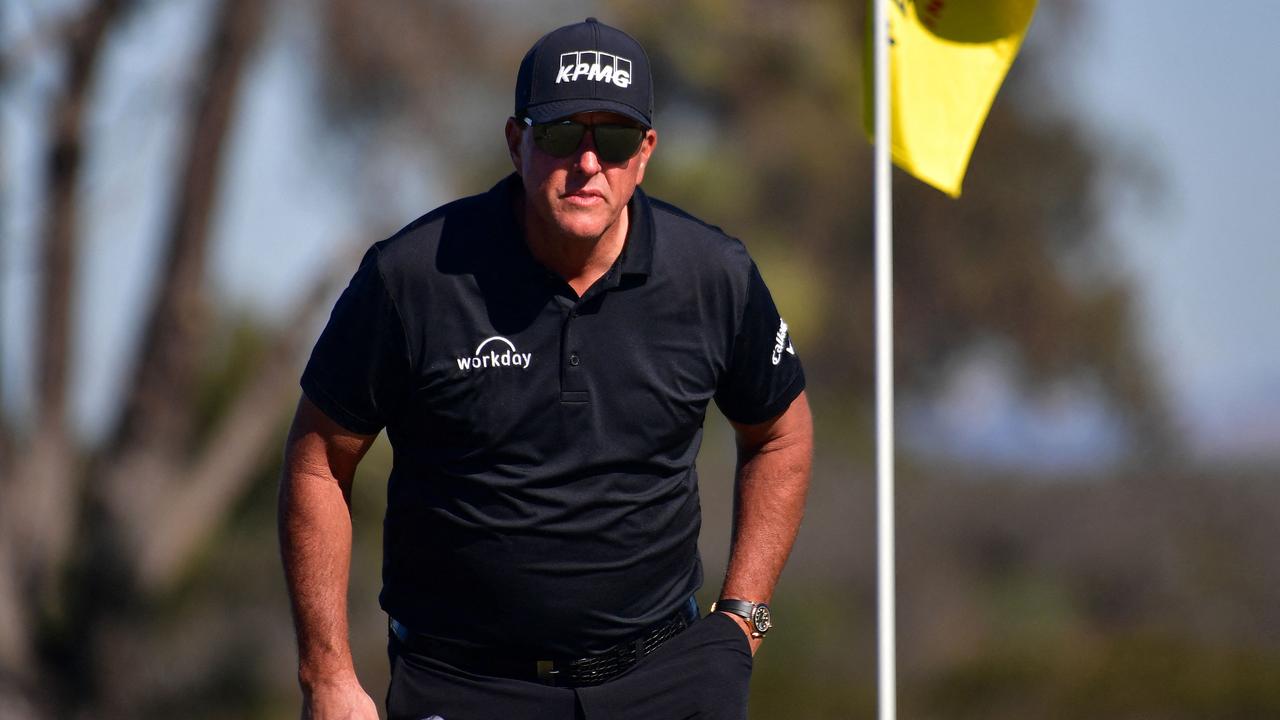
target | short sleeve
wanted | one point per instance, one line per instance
(358, 369)
(764, 373)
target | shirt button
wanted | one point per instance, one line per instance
(573, 359)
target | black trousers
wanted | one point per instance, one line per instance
(701, 674)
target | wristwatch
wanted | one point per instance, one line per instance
(756, 614)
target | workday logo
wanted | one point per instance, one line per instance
(594, 65)
(501, 352)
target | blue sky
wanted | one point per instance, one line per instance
(1194, 91)
(1196, 88)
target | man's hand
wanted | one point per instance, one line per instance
(742, 623)
(340, 700)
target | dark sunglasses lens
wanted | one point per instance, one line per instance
(558, 139)
(617, 143)
(614, 143)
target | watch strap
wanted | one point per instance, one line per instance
(741, 608)
(756, 614)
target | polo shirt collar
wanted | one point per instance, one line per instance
(637, 253)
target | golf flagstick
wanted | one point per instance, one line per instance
(887, 638)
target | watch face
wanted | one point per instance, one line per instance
(762, 619)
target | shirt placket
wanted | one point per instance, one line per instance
(573, 381)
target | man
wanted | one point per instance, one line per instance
(541, 357)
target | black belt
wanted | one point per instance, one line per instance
(590, 670)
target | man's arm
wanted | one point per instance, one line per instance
(315, 544)
(774, 459)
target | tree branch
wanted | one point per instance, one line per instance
(154, 428)
(41, 504)
(56, 32)
(221, 474)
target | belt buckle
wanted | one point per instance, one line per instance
(547, 671)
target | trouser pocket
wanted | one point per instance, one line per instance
(703, 673)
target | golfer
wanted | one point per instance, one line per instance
(542, 357)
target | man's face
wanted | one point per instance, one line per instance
(578, 196)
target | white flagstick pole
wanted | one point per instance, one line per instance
(884, 372)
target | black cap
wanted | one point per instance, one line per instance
(585, 67)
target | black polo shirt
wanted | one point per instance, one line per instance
(543, 497)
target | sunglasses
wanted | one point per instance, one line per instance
(614, 143)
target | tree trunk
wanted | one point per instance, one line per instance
(148, 450)
(150, 443)
(221, 473)
(41, 500)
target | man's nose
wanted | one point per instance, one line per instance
(588, 158)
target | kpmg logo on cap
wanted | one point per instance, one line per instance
(594, 65)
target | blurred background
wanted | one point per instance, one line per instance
(1088, 354)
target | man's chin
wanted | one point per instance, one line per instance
(582, 228)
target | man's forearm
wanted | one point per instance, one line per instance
(320, 462)
(772, 481)
(315, 543)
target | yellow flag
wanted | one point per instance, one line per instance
(947, 60)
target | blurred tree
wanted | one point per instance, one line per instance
(92, 540)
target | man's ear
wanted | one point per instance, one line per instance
(515, 137)
(647, 146)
